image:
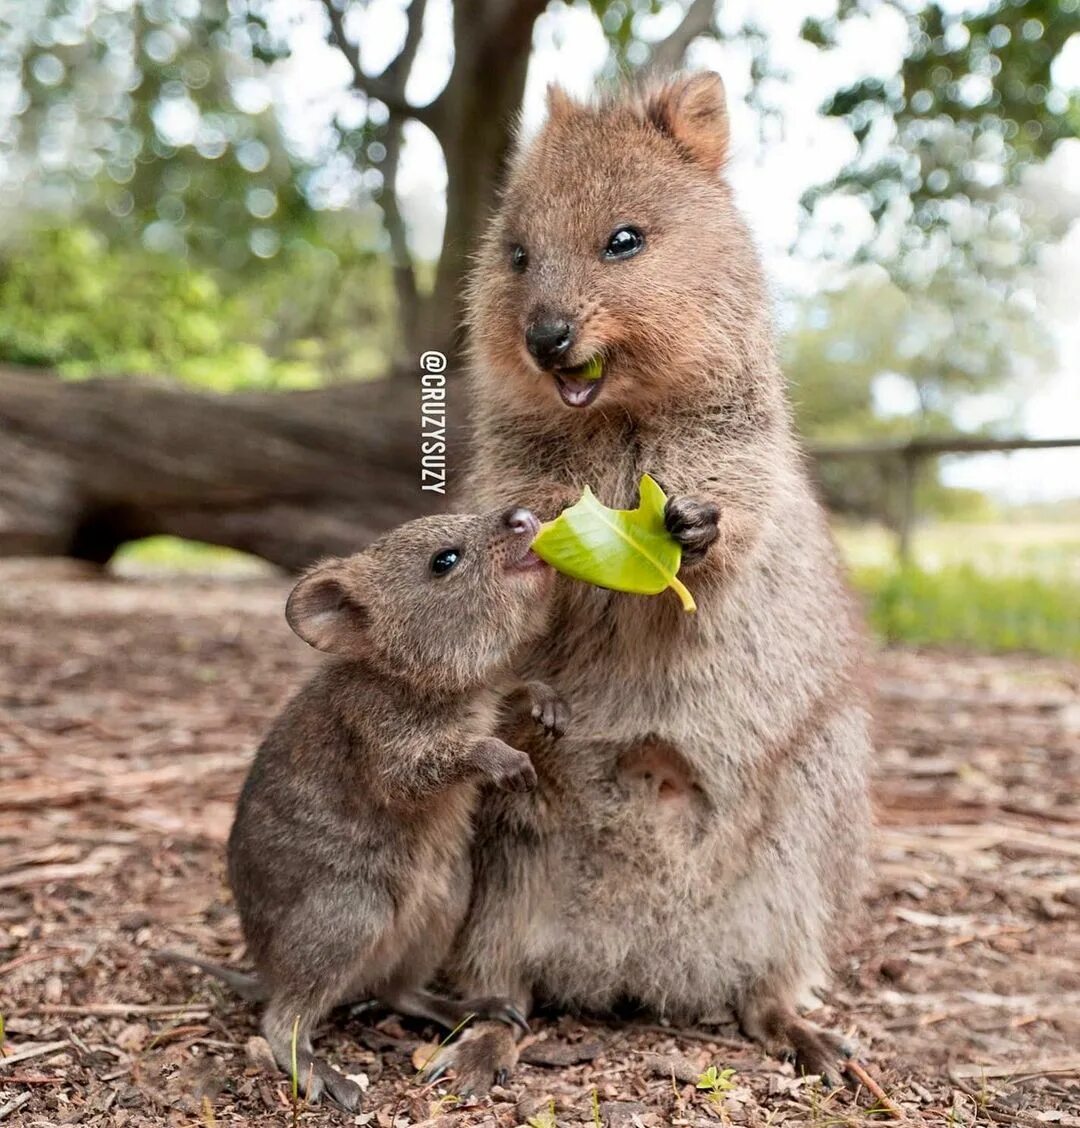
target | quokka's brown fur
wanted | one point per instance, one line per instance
(694, 845)
(349, 856)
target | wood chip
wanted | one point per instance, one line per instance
(14, 1105)
(882, 1101)
(29, 1052)
(113, 1010)
(554, 1052)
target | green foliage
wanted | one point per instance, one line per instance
(962, 606)
(173, 554)
(153, 118)
(621, 549)
(1006, 585)
(715, 1082)
(621, 22)
(545, 1118)
(974, 100)
(71, 302)
(944, 151)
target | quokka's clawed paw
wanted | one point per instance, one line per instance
(515, 773)
(497, 1008)
(694, 524)
(483, 1056)
(819, 1052)
(320, 1078)
(549, 710)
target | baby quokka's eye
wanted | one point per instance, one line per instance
(444, 560)
(519, 258)
(624, 242)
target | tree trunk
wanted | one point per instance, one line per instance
(290, 477)
(492, 43)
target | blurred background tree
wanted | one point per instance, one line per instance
(947, 169)
(164, 212)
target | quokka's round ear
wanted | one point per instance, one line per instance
(326, 610)
(692, 111)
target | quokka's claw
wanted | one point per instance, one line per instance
(436, 1071)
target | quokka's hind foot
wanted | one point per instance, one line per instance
(785, 1034)
(483, 1056)
(323, 1078)
(314, 1077)
(819, 1051)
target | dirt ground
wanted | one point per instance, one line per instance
(128, 713)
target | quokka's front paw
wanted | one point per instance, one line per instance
(694, 524)
(549, 710)
(512, 770)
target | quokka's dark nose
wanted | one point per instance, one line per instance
(548, 341)
(522, 521)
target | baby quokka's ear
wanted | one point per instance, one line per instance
(692, 111)
(328, 608)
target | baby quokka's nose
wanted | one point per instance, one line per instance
(549, 341)
(522, 521)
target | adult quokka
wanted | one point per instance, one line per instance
(694, 845)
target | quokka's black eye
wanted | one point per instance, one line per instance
(444, 560)
(624, 242)
(519, 257)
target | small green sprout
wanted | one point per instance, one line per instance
(545, 1119)
(716, 1082)
(295, 1070)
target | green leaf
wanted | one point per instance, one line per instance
(593, 368)
(621, 549)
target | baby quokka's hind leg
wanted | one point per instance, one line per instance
(780, 1029)
(288, 1021)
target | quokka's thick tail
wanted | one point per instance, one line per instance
(246, 984)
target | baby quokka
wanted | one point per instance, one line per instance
(349, 856)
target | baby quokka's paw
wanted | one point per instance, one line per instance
(515, 773)
(508, 768)
(694, 524)
(549, 710)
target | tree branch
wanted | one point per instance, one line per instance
(398, 71)
(405, 288)
(388, 87)
(668, 54)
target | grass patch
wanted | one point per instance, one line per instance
(173, 554)
(1047, 549)
(961, 605)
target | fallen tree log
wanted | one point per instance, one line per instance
(87, 466)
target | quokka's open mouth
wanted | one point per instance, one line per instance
(519, 554)
(579, 385)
